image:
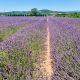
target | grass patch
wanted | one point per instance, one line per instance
(14, 64)
(36, 49)
(4, 33)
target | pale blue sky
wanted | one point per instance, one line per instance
(25, 5)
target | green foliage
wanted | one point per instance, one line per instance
(4, 33)
(34, 12)
(3, 58)
(14, 13)
(44, 12)
(14, 64)
(74, 15)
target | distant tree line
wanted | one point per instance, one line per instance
(33, 12)
(36, 12)
(74, 15)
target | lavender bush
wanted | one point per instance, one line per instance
(19, 53)
(65, 44)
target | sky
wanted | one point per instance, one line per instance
(26, 5)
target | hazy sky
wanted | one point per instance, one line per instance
(25, 5)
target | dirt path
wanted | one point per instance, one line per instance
(48, 60)
(44, 68)
(46, 65)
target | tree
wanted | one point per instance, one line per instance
(34, 12)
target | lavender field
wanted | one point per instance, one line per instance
(39, 48)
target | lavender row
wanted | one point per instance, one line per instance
(7, 31)
(21, 35)
(18, 53)
(65, 49)
(70, 22)
(14, 21)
